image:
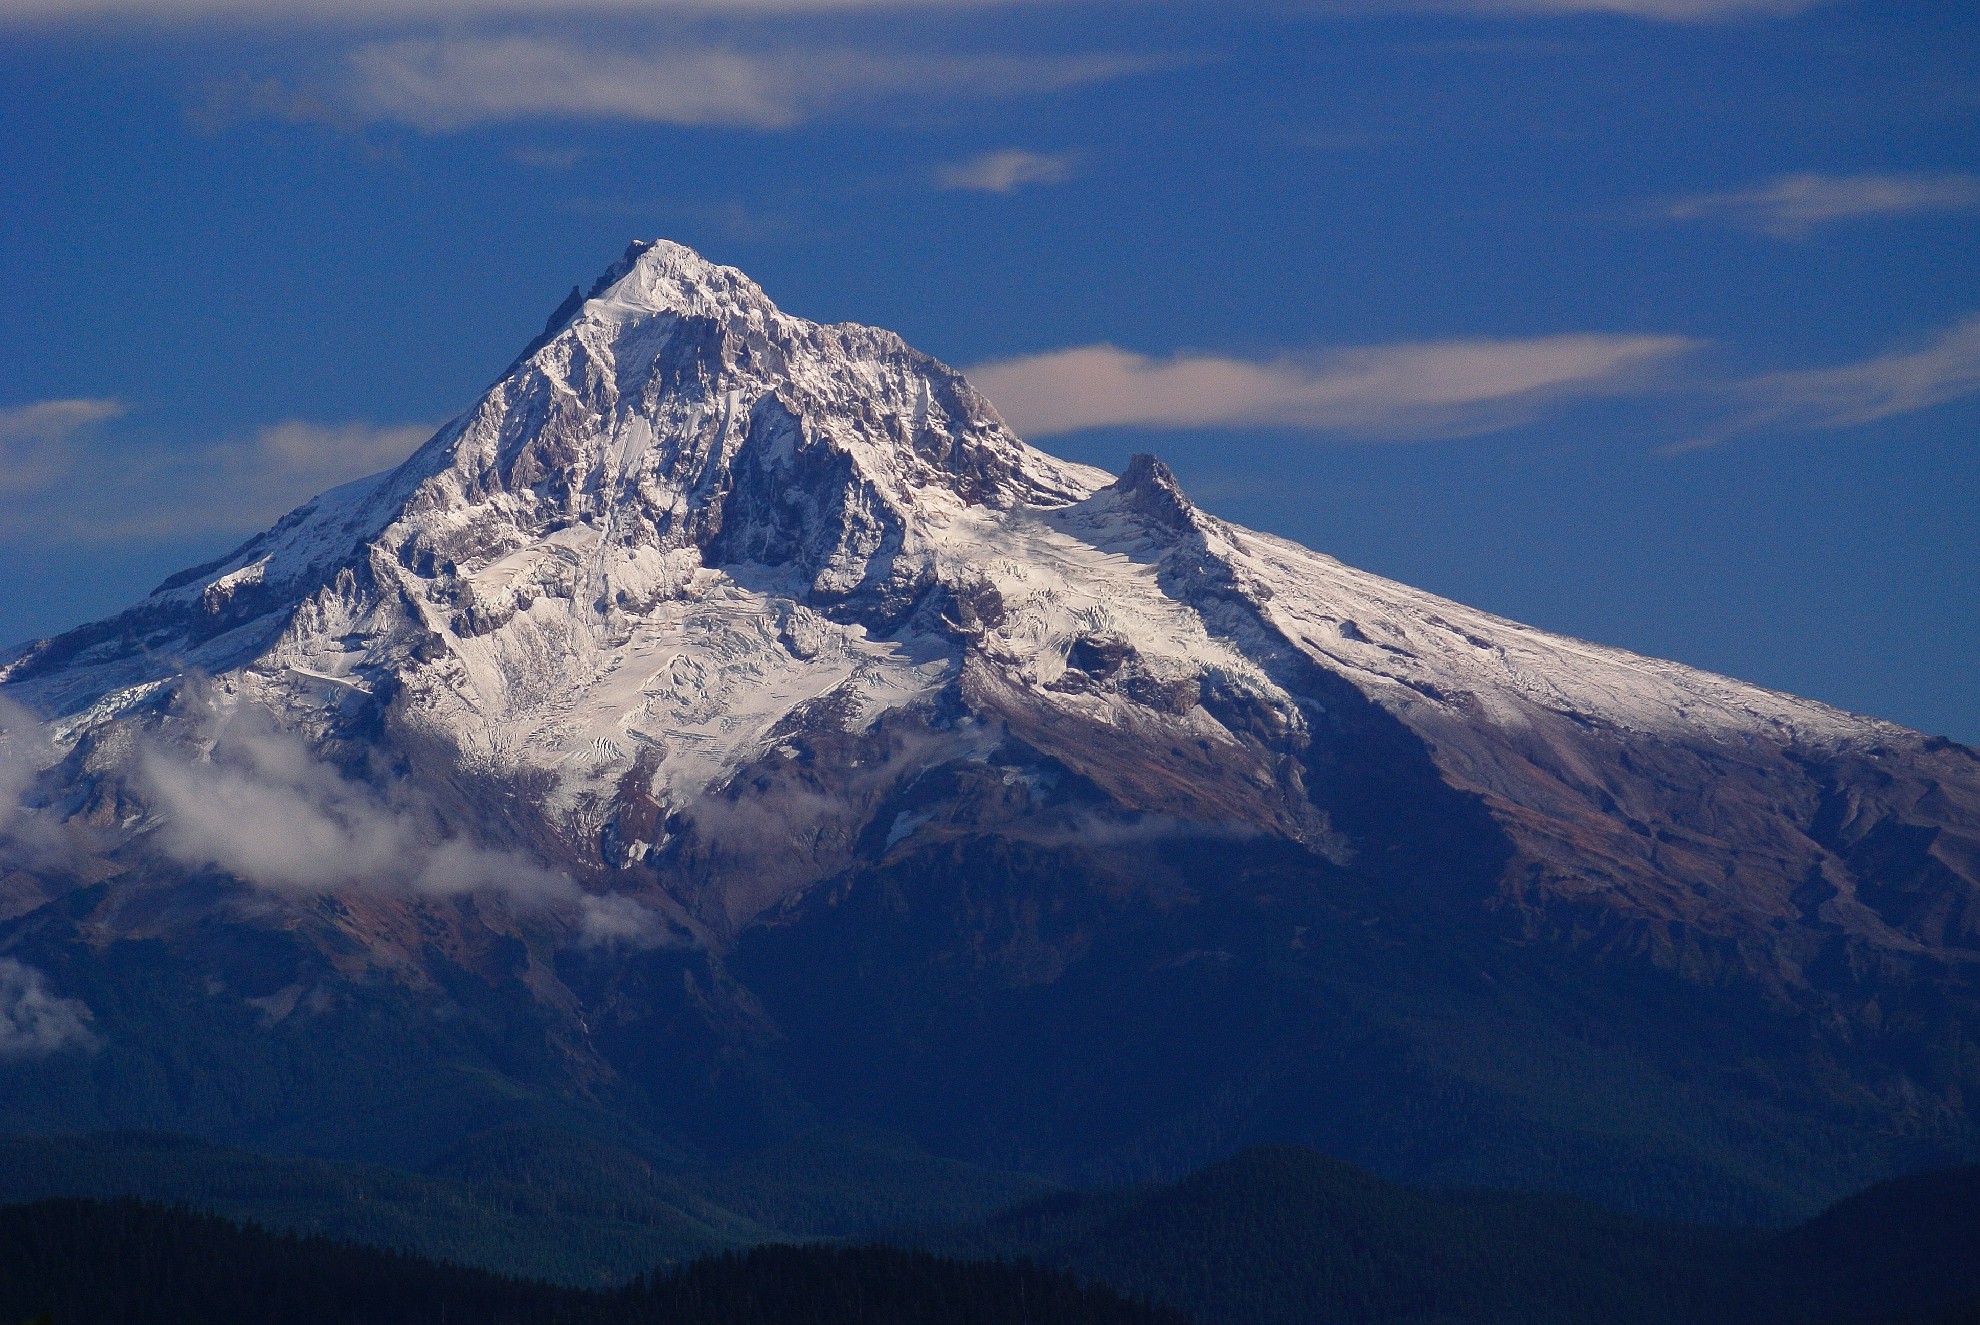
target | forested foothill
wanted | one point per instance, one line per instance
(1274, 1236)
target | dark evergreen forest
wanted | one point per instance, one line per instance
(1273, 1236)
(71, 1262)
(1282, 1235)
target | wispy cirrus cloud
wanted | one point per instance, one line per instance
(38, 439)
(312, 453)
(1943, 369)
(1790, 206)
(396, 12)
(399, 12)
(1005, 171)
(548, 158)
(449, 83)
(1414, 390)
(1660, 11)
(81, 486)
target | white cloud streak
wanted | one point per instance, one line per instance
(70, 478)
(317, 453)
(35, 1022)
(398, 12)
(1945, 369)
(1417, 390)
(1005, 171)
(1791, 206)
(36, 439)
(1657, 11)
(439, 85)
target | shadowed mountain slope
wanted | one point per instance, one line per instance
(1283, 1236)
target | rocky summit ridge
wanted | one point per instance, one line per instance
(704, 612)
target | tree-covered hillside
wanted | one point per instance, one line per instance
(132, 1263)
(1273, 1236)
(538, 1201)
(1285, 1236)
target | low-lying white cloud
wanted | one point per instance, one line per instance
(1005, 171)
(34, 1021)
(1793, 205)
(23, 753)
(1424, 389)
(30, 837)
(258, 804)
(445, 84)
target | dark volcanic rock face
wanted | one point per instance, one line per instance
(728, 725)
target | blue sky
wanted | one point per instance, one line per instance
(1651, 321)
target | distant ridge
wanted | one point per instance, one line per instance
(540, 1203)
(128, 1263)
(1273, 1236)
(1283, 1236)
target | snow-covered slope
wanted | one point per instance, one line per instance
(688, 538)
(542, 577)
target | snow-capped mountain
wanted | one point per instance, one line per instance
(707, 613)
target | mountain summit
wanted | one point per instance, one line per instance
(731, 709)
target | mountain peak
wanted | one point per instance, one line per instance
(1149, 488)
(655, 276)
(726, 419)
(659, 275)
